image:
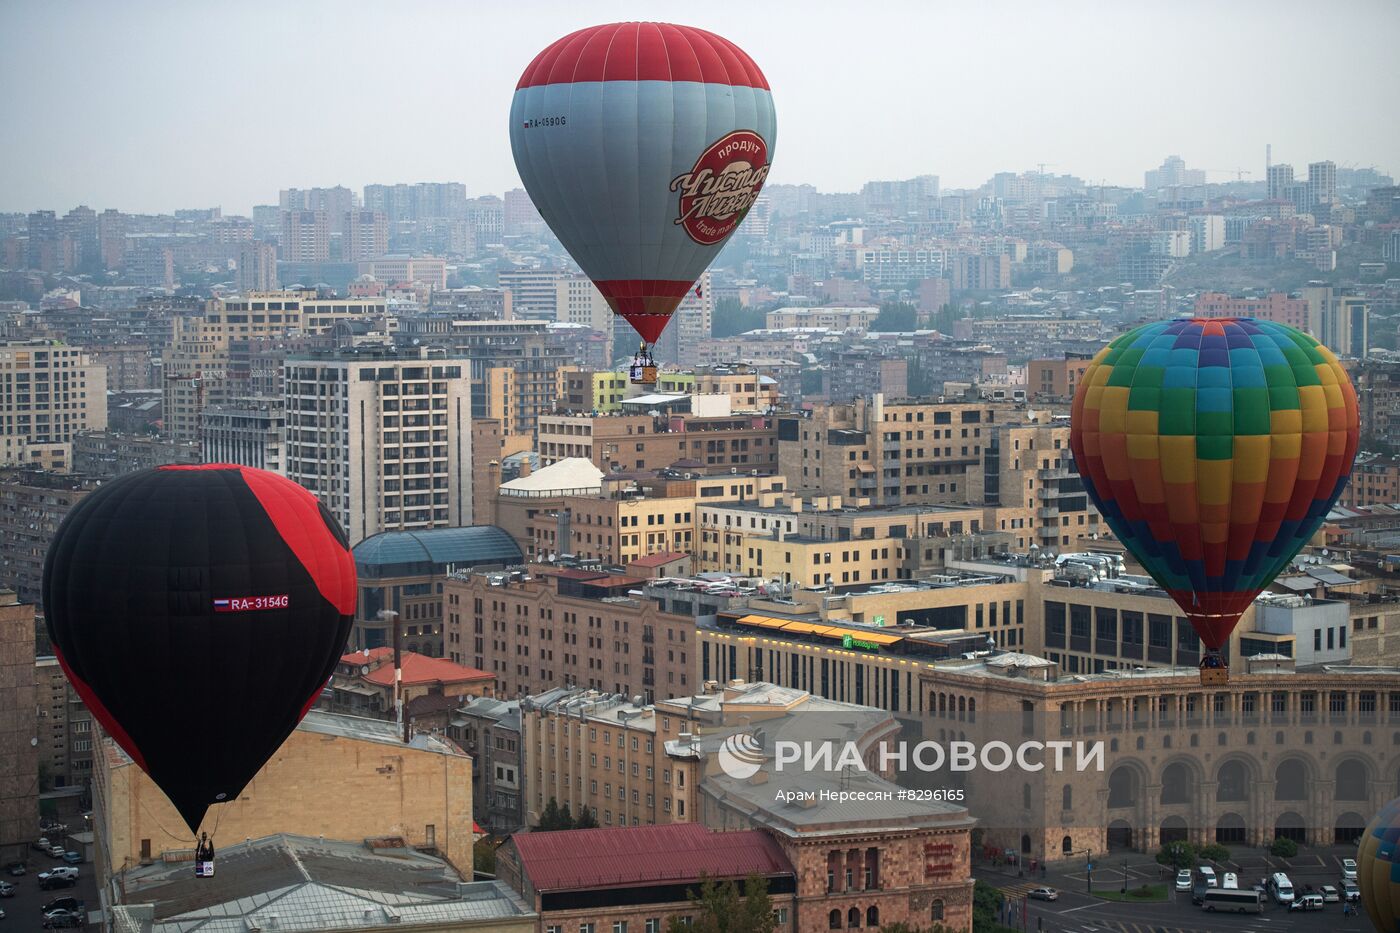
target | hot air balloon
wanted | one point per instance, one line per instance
(643, 145)
(1214, 449)
(1378, 868)
(199, 611)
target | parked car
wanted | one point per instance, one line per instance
(16, 869)
(1349, 869)
(73, 858)
(1350, 891)
(6, 889)
(61, 871)
(1307, 902)
(63, 919)
(1230, 882)
(75, 904)
(2, 915)
(56, 851)
(1198, 893)
(42, 845)
(1329, 894)
(1208, 876)
(59, 881)
(1183, 880)
(1045, 894)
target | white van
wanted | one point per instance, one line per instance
(1281, 888)
(1208, 876)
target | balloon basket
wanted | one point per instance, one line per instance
(1215, 676)
(643, 375)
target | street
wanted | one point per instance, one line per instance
(1078, 912)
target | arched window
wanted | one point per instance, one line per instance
(1026, 796)
(1025, 844)
(936, 913)
(1067, 845)
(962, 708)
(1067, 798)
(972, 709)
(872, 916)
(853, 918)
(833, 920)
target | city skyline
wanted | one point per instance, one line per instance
(422, 135)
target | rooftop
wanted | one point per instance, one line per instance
(417, 668)
(442, 550)
(296, 883)
(570, 475)
(635, 856)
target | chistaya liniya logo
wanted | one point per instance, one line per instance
(741, 755)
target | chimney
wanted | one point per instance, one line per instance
(525, 465)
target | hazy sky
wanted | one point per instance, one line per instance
(150, 106)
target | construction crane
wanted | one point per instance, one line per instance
(1041, 166)
(1239, 173)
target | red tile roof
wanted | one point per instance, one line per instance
(644, 855)
(616, 582)
(658, 560)
(417, 668)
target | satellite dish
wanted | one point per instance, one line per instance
(364, 670)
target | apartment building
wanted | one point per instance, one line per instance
(1056, 379)
(306, 236)
(823, 542)
(837, 319)
(1275, 306)
(517, 366)
(65, 729)
(554, 626)
(889, 453)
(33, 503)
(48, 393)
(382, 437)
(252, 433)
(1032, 492)
(741, 443)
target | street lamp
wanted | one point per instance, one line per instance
(1125, 876)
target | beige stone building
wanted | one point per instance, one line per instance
(890, 453)
(736, 442)
(552, 627)
(419, 792)
(48, 393)
(19, 729)
(1276, 752)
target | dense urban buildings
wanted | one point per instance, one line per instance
(848, 498)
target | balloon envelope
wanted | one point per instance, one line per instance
(1378, 868)
(643, 145)
(199, 611)
(1214, 449)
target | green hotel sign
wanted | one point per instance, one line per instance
(848, 642)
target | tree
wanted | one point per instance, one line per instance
(986, 909)
(1283, 847)
(896, 316)
(1178, 855)
(731, 318)
(586, 819)
(552, 817)
(1213, 852)
(721, 909)
(483, 857)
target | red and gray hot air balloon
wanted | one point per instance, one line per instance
(199, 612)
(643, 145)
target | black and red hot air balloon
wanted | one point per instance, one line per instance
(199, 611)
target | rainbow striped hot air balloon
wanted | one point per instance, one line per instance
(1214, 449)
(1378, 869)
(643, 145)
